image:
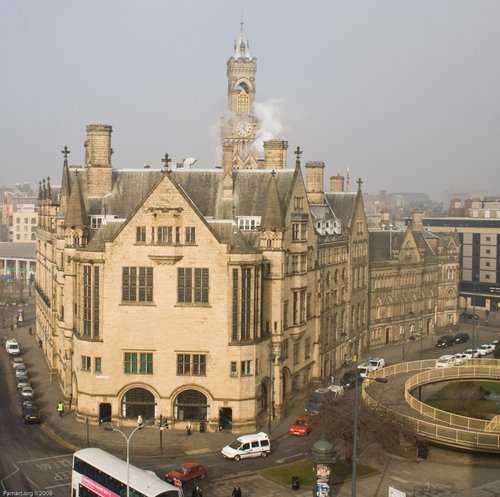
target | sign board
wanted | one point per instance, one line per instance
(394, 492)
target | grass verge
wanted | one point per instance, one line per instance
(304, 470)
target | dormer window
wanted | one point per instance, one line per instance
(96, 222)
(247, 223)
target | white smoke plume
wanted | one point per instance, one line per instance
(270, 115)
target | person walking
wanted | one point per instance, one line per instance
(188, 427)
(236, 491)
(197, 492)
(60, 409)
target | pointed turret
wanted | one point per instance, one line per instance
(76, 214)
(272, 218)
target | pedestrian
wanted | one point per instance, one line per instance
(188, 427)
(60, 409)
(197, 492)
(236, 491)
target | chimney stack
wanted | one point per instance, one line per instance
(275, 154)
(314, 182)
(337, 183)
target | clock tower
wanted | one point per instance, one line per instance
(240, 128)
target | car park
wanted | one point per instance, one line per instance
(302, 427)
(27, 393)
(445, 361)
(31, 414)
(471, 353)
(21, 370)
(186, 472)
(462, 337)
(446, 341)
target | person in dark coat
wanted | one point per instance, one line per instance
(236, 491)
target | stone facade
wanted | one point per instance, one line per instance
(209, 295)
(414, 278)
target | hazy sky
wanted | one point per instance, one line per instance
(404, 93)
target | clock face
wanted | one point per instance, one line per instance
(243, 128)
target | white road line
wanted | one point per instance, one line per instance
(197, 451)
(400, 480)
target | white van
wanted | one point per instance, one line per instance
(254, 445)
(365, 369)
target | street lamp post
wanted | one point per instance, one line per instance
(127, 440)
(272, 358)
(473, 309)
(355, 429)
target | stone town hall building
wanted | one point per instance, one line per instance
(200, 294)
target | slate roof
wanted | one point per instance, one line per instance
(23, 250)
(342, 204)
(202, 187)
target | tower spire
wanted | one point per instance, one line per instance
(241, 46)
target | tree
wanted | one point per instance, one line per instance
(378, 428)
(496, 352)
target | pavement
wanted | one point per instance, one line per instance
(444, 474)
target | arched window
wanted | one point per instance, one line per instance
(138, 401)
(191, 404)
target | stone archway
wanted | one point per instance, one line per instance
(136, 402)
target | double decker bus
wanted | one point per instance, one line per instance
(96, 473)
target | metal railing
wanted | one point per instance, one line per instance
(461, 432)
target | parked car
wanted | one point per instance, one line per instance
(365, 369)
(445, 361)
(469, 315)
(27, 393)
(460, 358)
(186, 472)
(12, 348)
(462, 337)
(348, 379)
(486, 348)
(471, 353)
(22, 381)
(302, 427)
(31, 414)
(17, 360)
(446, 341)
(21, 370)
(316, 400)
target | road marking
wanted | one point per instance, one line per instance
(400, 480)
(283, 459)
(197, 451)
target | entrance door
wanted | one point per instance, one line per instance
(225, 418)
(104, 413)
(387, 335)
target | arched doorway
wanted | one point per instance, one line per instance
(192, 405)
(138, 402)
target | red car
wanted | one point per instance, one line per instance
(186, 473)
(302, 427)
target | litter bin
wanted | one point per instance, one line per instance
(202, 426)
(295, 482)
